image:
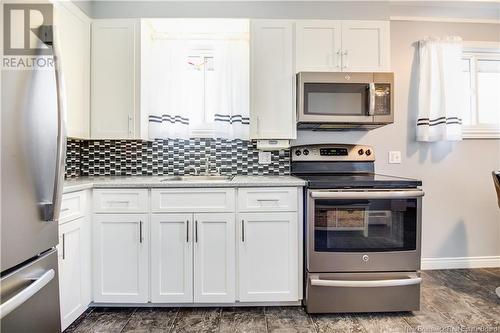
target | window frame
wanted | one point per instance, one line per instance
(474, 51)
(202, 51)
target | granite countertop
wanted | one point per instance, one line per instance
(81, 183)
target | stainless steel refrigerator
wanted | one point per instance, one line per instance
(33, 145)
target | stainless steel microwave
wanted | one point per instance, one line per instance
(339, 100)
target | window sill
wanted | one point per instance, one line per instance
(476, 132)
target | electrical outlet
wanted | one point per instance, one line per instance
(264, 157)
(394, 157)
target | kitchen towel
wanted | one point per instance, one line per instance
(440, 89)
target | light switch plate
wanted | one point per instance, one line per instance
(395, 157)
(264, 157)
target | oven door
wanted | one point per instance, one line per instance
(368, 230)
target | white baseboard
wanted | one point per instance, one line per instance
(460, 262)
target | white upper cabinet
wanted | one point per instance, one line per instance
(115, 80)
(73, 28)
(272, 80)
(365, 46)
(347, 46)
(318, 45)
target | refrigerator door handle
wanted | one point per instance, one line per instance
(25, 294)
(61, 131)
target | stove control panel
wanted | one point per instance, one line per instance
(333, 152)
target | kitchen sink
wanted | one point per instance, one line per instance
(196, 178)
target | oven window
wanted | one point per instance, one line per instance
(336, 99)
(377, 225)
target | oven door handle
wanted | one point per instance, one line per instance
(367, 194)
(411, 280)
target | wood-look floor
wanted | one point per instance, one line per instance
(461, 300)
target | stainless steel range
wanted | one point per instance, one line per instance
(362, 237)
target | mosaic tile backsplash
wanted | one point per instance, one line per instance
(168, 157)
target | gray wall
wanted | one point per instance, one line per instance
(460, 216)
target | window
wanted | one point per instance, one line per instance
(202, 87)
(198, 78)
(481, 77)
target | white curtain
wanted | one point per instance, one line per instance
(168, 114)
(232, 73)
(440, 90)
(176, 111)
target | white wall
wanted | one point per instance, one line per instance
(460, 213)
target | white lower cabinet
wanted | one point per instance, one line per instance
(74, 269)
(214, 258)
(121, 258)
(268, 257)
(172, 258)
(172, 249)
(192, 258)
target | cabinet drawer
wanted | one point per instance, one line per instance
(267, 199)
(193, 200)
(73, 206)
(120, 201)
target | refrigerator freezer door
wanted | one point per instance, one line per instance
(29, 130)
(30, 296)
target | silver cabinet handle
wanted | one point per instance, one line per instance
(140, 231)
(243, 230)
(399, 194)
(130, 127)
(65, 209)
(272, 200)
(187, 231)
(339, 55)
(371, 110)
(119, 201)
(366, 284)
(25, 294)
(344, 59)
(196, 231)
(63, 246)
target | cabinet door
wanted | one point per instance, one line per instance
(171, 258)
(214, 258)
(272, 80)
(120, 258)
(74, 36)
(268, 257)
(71, 269)
(366, 46)
(318, 45)
(115, 90)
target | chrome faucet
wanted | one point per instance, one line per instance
(195, 169)
(207, 171)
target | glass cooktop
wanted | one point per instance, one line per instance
(361, 180)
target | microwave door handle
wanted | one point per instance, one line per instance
(401, 194)
(371, 110)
